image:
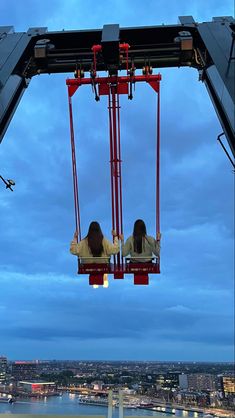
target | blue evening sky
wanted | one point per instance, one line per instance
(46, 310)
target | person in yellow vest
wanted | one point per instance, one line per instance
(94, 248)
(139, 245)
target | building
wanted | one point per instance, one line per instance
(37, 387)
(24, 370)
(172, 380)
(228, 385)
(167, 381)
(202, 382)
(183, 381)
(3, 369)
(160, 380)
(98, 385)
(193, 398)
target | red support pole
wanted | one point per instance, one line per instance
(115, 155)
(158, 165)
(115, 163)
(111, 158)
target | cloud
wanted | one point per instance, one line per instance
(45, 308)
(54, 309)
(178, 309)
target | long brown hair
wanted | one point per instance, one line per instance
(139, 232)
(95, 238)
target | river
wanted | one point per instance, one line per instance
(69, 405)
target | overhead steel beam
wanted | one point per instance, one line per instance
(208, 47)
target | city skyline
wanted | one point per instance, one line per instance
(46, 310)
(180, 389)
(160, 362)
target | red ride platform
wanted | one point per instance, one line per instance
(140, 271)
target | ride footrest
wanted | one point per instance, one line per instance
(118, 275)
(142, 278)
(97, 279)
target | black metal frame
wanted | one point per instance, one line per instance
(208, 47)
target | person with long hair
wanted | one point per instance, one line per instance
(139, 245)
(94, 248)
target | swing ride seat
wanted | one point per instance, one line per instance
(140, 270)
(95, 270)
(92, 268)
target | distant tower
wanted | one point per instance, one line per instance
(183, 381)
(3, 368)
